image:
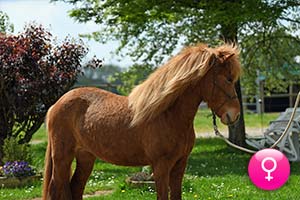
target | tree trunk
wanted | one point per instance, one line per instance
(237, 133)
(1, 150)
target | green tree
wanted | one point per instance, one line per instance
(99, 77)
(5, 25)
(125, 81)
(274, 59)
(153, 29)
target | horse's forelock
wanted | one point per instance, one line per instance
(231, 52)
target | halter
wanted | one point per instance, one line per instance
(216, 85)
(229, 97)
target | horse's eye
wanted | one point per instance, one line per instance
(229, 79)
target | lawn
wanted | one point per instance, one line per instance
(214, 171)
(203, 120)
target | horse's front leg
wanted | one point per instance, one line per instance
(176, 176)
(161, 170)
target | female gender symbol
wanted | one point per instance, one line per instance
(269, 177)
(269, 161)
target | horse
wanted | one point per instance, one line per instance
(153, 125)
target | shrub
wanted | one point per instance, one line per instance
(34, 73)
(13, 151)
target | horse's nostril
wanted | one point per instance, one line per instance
(231, 119)
(228, 118)
(237, 117)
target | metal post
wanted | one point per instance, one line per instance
(260, 103)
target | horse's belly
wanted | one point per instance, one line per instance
(122, 157)
(119, 151)
(124, 161)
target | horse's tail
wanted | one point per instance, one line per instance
(48, 161)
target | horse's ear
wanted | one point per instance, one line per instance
(224, 57)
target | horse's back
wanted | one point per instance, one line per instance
(98, 121)
(92, 104)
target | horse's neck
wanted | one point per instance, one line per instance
(187, 104)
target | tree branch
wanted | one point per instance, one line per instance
(290, 20)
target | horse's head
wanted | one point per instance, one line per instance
(219, 85)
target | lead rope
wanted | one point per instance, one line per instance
(217, 132)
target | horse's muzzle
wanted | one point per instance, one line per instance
(230, 118)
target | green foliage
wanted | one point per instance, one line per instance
(102, 74)
(125, 81)
(99, 77)
(5, 25)
(271, 57)
(13, 151)
(268, 31)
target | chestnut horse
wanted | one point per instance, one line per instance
(152, 126)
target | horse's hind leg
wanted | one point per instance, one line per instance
(62, 157)
(84, 166)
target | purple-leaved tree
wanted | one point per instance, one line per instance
(34, 73)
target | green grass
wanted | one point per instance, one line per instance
(203, 121)
(40, 134)
(256, 120)
(214, 171)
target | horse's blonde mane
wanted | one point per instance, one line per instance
(163, 86)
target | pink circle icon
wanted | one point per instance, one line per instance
(269, 169)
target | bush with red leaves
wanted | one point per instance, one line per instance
(34, 73)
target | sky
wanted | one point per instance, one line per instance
(54, 17)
